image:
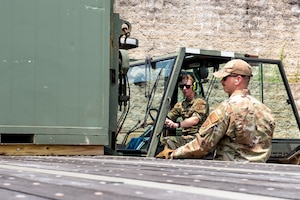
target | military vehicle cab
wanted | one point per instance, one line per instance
(152, 90)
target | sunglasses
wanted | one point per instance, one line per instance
(186, 86)
(231, 75)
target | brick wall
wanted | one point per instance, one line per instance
(270, 28)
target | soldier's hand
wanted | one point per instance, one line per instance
(168, 122)
(166, 154)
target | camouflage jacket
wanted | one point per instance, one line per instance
(185, 109)
(241, 128)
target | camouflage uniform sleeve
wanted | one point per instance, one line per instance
(200, 109)
(175, 112)
(210, 133)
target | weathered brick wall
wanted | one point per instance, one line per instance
(268, 28)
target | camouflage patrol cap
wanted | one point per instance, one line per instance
(235, 66)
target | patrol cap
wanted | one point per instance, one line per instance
(235, 66)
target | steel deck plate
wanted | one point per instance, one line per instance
(112, 177)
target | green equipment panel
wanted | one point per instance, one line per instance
(56, 58)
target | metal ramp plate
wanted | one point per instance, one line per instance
(111, 177)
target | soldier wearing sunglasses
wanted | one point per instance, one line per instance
(240, 128)
(193, 110)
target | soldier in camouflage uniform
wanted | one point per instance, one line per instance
(193, 111)
(241, 128)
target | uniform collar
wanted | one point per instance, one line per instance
(241, 92)
(195, 97)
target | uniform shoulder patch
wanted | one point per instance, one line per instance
(212, 118)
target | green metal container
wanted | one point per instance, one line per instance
(57, 60)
